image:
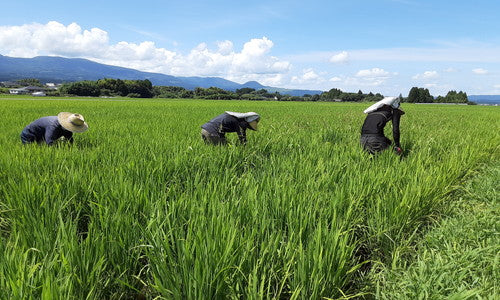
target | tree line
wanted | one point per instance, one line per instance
(421, 95)
(109, 87)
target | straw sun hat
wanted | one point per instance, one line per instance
(72, 122)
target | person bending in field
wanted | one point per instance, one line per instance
(214, 131)
(50, 129)
(373, 139)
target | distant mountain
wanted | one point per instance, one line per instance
(485, 99)
(59, 69)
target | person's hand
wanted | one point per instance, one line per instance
(398, 150)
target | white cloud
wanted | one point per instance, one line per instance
(52, 38)
(341, 57)
(271, 80)
(308, 76)
(480, 71)
(369, 78)
(427, 75)
(375, 72)
(225, 47)
(497, 86)
(57, 39)
(450, 70)
(264, 79)
(335, 79)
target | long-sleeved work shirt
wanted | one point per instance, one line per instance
(227, 123)
(46, 129)
(375, 122)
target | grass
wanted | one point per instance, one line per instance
(458, 259)
(140, 206)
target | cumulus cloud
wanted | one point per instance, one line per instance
(225, 47)
(480, 71)
(369, 78)
(341, 57)
(57, 39)
(427, 75)
(375, 72)
(308, 76)
(51, 38)
(497, 86)
(335, 79)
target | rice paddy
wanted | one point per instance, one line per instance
(139, 206)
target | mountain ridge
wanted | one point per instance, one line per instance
(60, 69)
(484, 99)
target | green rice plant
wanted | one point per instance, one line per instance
(457, 260)
(139, 206)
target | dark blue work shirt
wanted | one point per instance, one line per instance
(46, 129)
(227, 123)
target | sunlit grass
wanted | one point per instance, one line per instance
(140, 205)
(458, 259)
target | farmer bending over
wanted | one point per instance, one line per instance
(373, 139)
(214, 131)
(49, 129)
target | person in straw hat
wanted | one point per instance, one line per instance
(49, 129)
(214, 131)
(373, 139)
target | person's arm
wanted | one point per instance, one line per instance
(396, 117)
(242, 135)
(69, 136)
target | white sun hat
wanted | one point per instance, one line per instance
(248, 116)
(72, 122)
(390, 101)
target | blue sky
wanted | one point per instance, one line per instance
(385, 46)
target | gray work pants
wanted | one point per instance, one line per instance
(213, 138)
(374, 143)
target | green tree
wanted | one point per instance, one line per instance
(244, 91)
(112, 87)
(419, 95)
(144, 88)
(413, 95)
(30, 81)
(81, 88)
(331, 95)
(454, 97)
(171, 92)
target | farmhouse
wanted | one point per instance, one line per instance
(9, 84)
(39, 94)
(26, 90)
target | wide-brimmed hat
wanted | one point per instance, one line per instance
(72, 122)
(248, 116)
(390, 101)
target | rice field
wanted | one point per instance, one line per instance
(140, 207)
